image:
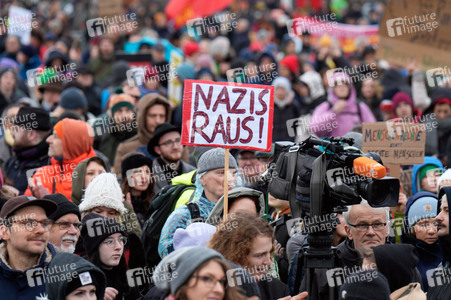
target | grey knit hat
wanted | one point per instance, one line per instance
(214, 159)
(176, 268)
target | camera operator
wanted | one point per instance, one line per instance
(365, 227)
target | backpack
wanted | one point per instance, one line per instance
(161, 206)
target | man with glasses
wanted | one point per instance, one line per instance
(25, 251)
(249, 166)
(366, 227)
(66, 224)
(166, 148)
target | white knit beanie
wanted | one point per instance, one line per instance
(445, 176)
(103, 190)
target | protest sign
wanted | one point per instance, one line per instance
(108, 8)
(397, 143)
(228, 115)
(406, 182)
(419, 30)
(20, 23)
(174, 85)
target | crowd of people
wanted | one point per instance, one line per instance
(99, 199)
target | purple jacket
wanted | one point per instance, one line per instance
(325, 122)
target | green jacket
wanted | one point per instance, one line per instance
(188, 179)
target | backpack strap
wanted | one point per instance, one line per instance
(195, 212)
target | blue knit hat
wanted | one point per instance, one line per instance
(73, 98)
(423, 208)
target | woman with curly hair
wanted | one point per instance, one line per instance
(248, 241)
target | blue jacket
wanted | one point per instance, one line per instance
(429, 255)
(16, 284)
(33, 63)
(428, 160)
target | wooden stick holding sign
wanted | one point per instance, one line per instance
(227, 115)
(226, 182)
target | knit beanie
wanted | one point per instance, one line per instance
(33, 118)
(445, 176)
(190, 48)
(176, 268)
(96, 229)
(365, 285)
(291, 62)
(424, 170)
(401, 97)
(73, 98)
(65, 206)
(196, 234)
(133, 162)
(120, 100)
(27, 50)
(186, 71)
(82, 279)
(103, 190)
(214, 159)
(423, 208)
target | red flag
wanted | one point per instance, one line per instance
(184, 10)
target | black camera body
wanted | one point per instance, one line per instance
(333, 185)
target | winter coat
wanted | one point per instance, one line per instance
(143, 136)
(272, 289)
(77, 146)
(57, 290)
(316, 95)
(443, 291)
(24, 161)
(323, 116)
(160, 172)
(32, 63)
(14, 284)
(429, 255)
(428, 160)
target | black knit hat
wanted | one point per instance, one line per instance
(135, 161)
(96, 229)
(33, 118)
(65, 206)
(365, 285)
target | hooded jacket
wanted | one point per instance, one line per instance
(262, 78)
(429, 255)
(428, 160)
(316, 95)
(57, 290)
(77, 139)
(78, 179)
(324, 116)
(14, 283)
(143, 136)
(443, 291)
(397, 262)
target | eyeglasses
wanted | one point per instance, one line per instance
(171, 143)
(31, 224)
(365, 227)
(111, 242)
(211, 282)
(66, 225)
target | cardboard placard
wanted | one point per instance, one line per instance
(228, 115)
(416, 29)
(107, 8)
(406, 182)
(396, 142)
